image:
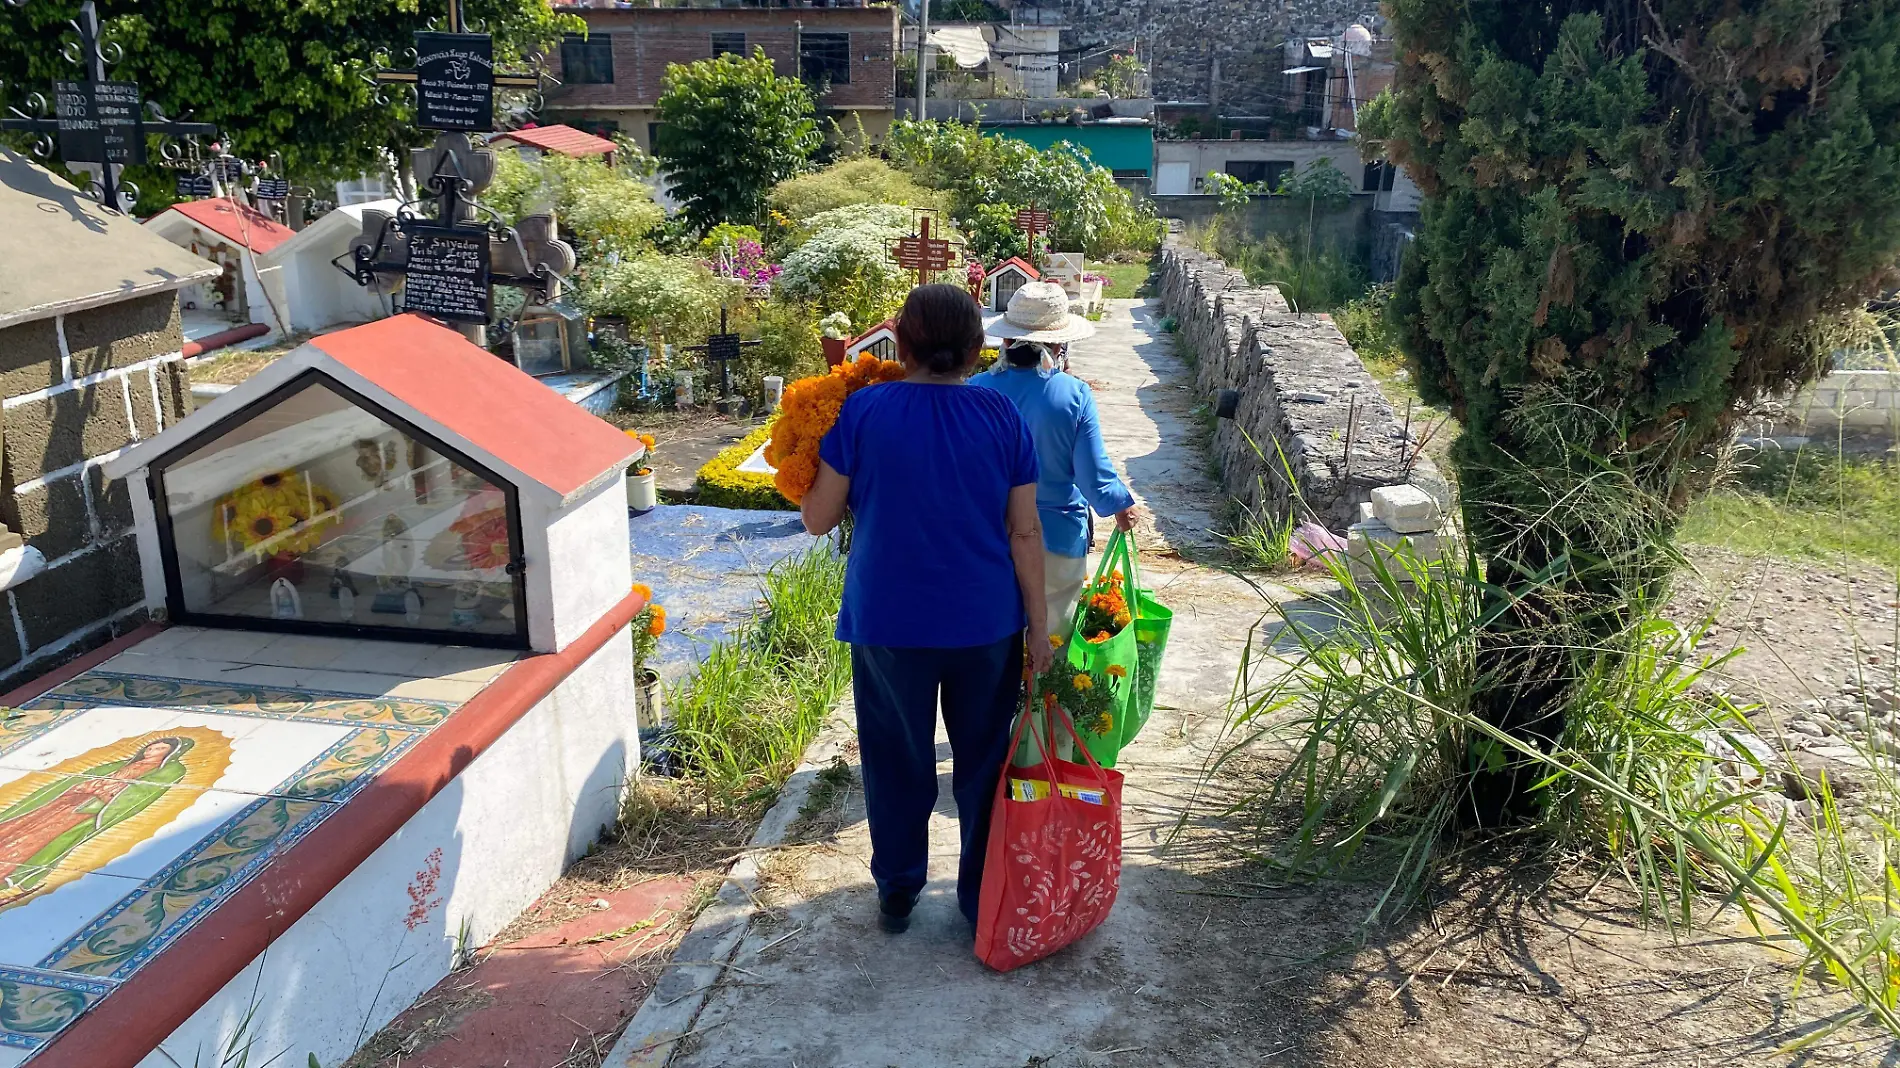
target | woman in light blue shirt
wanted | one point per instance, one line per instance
(1075, 473)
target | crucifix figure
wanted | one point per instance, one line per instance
(98, 124)
(723, 348)
(922, 253)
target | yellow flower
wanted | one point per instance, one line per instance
(648, 440)
(643, 590)
(657, 626)
(1055, 641)
(1082, 682)
(1118, 671)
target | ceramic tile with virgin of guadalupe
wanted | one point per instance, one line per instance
(314, 509)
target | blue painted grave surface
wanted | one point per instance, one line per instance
(707, 567)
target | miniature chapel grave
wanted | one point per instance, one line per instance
(395, 701)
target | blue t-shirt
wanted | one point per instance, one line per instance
(1076, 472)
(931, 467)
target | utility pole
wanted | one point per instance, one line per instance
(923, 52)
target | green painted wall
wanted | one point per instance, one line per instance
(1117, 147)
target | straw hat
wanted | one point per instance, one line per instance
(1039, 311)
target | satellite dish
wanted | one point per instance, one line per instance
(1357, 40)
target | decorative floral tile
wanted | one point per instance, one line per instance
(129, 933)
(102, 688)
(35, 1005)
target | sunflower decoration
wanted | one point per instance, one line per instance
(283, 514)
(810, 407)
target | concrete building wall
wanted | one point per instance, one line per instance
(644, 41)
(74, 390)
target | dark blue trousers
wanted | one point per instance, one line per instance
(897, 693)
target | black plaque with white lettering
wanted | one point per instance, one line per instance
(722, 347)
(273, 188)
(447, 274)
(195, 185)
(78, 120)
(116, 105)
(455, 86)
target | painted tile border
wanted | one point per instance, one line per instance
(90, 989)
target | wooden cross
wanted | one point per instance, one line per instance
(96, 121)
(455, 77)
(722, 348)
(922, 253)
(1032, 221)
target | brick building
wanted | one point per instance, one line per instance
(611, 78)
(91, 360)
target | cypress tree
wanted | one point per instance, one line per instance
(1640, 216)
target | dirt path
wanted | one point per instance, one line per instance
(1210, 958)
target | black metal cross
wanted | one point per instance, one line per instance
(455, 77)
(722, 348)
(98, 121)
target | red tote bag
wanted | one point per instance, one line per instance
(1055, 854)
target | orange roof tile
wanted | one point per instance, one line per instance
(558, 138)
(482, 398)
(240, 223)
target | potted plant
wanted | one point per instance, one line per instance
(641, 494)
(648, 625)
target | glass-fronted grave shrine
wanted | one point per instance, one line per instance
(314, 509)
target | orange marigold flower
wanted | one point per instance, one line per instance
(1082, 682)
(1055, 641)
(1118, 671)
(657, 625)
(1049, 701)
(643, 590)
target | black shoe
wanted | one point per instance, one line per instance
(893, 911)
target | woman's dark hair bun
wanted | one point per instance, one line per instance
(940, 328)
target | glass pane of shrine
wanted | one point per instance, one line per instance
(317, 510)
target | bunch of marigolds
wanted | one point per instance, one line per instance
(810, 408)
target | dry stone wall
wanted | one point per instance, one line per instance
(1304, 396)
(1183, 38)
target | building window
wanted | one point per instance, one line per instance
(728, 44)
(825, 59)
(587, 60)
(653, 137)
(1270, 171)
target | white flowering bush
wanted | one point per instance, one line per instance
(661, 297)
(842, 261)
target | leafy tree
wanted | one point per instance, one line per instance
(282, 76)
(731, 130)
(1089, 211)
(853, 181)
(1637, 219)
(994, 237)
(605, 211)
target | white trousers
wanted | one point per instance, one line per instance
(1062, 580)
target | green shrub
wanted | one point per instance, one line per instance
(853, 181)
(661, 297)
(1364, 322)
(727, 235)
(604, 210)
(756, 701)
(840, 261)
(720, 483)
(730, 129)
(789, 343)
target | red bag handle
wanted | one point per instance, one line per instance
(1048, 759)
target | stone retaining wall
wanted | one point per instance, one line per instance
(1857, 401)
(1302, 388)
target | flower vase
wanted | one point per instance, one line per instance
(642, 495)
(647, 700)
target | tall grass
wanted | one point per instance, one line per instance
(757, 700)
(1313, 277)
(1374, 718)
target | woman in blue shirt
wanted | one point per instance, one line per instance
(1075, 472)
(944, 577)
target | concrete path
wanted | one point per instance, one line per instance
(814, 983)
(1148, 402)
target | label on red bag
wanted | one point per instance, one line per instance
(1037, 789)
